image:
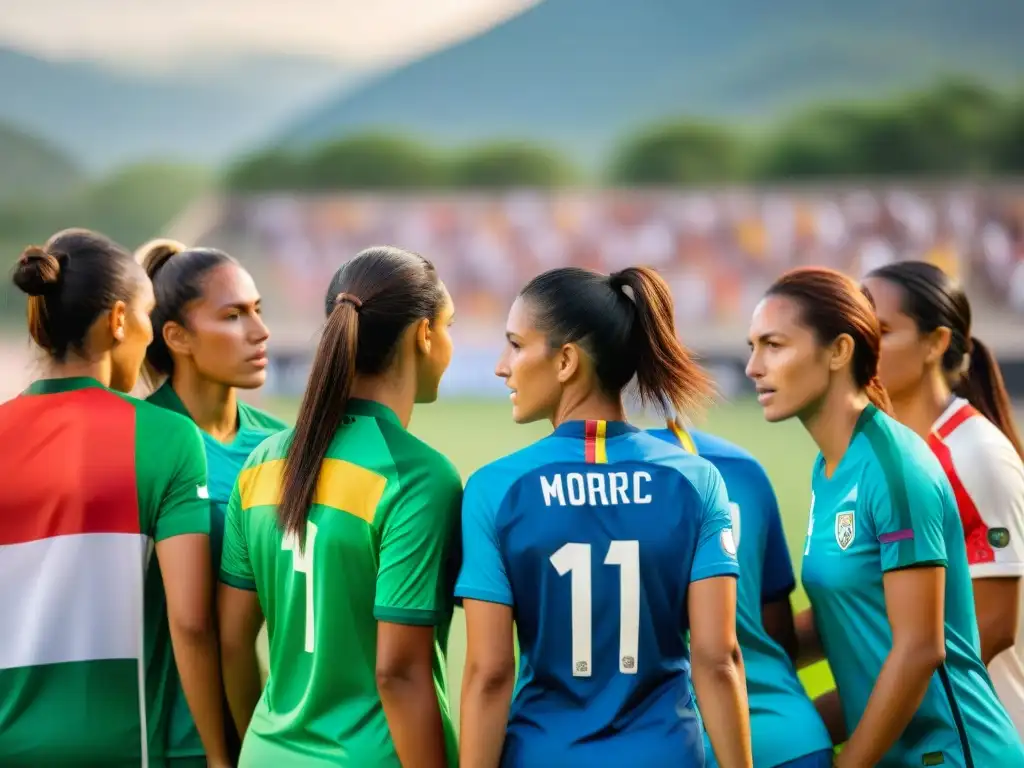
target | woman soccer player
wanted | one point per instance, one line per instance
(343, 532)
(947, 387)
(604, 544)
(785, 728)
(94, 479)
(208, 341)
(885, 565)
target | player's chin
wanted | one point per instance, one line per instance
(773, 413)
(251, 379)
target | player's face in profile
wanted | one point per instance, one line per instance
(226, 336)
(529, 367)
(437, 354)
(904, 353)
(136, 334)
(786, 362)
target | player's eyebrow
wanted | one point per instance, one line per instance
(242, 306)
(766, 337)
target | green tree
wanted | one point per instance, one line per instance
(510, 164)
(372, 161)
(1008, 145)
(679, 153)
(267, 171)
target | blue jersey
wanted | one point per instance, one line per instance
(888, 505)
(593, 536)
(784, 725)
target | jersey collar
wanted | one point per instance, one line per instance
(359, 407)
(579, 429)
(54, 386)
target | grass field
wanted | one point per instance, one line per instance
(473, 433)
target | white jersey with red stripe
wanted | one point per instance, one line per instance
(987, 477)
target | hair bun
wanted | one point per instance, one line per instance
(156, 253)
(38, 272)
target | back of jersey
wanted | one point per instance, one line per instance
(594, 535)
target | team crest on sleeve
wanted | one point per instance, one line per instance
(846, 529)
(728, 542)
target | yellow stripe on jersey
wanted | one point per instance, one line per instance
(682, 436)
(341, 485)
(600, 452)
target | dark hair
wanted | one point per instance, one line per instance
(934, 300)
(371, 300)
(832, 304)
(177, 273)
(625, 322)
(72, 280)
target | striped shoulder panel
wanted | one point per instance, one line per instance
(892, 462)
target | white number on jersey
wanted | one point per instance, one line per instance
(302, 562)
(575, 559)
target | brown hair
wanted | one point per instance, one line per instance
(371, 300)
(832, 304)
(626, 324)
(934, 300)
(70, 281)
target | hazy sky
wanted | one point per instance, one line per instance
(365, 31)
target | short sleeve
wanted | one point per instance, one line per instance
(185, 504)
(417, 541)
(907, 506)
(994, 519)
(483, 575)
(716, 547)
(777, 580)
(235, 566)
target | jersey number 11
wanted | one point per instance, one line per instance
(575, 559)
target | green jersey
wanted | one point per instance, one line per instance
(224, 462)
(888, 505)
(381, 544)
(85, 650)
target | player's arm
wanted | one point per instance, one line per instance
(239, 619)
(183, 552)
(906, 509)
(413, 596)
(995, 547)
(809, 649)
(777, 579)
(830, 710)
(489, 674)
(716, 662)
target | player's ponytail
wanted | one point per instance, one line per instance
(982, 385)
(666, 373)
(323, 408)
(878, 396)
(370, 303)
(933, 299)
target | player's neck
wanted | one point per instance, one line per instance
(922, 407)
(397, 393)
(831, 424)
(594, 406)
(80, 368)
(213, 406)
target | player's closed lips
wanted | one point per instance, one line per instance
(259, 360)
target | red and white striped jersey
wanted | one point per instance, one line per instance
(987, 477)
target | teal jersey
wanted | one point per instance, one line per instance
(784, 725)
(224, 462)
(888, 505)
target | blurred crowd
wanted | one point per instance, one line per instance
(718, 249)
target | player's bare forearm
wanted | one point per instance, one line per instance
(808, 643)
(997, 603)
(414, 716)
(897, 694)
(722, 697)
(830, 709)
(242, 684)
(196, 655)
(486, 697)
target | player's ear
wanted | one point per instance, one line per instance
(118, 319)
(569, 361)
(423, 334)
(841, 352)
(177, 338)
(938, 342)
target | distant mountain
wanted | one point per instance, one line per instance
(203, 111)
(32, 168)
(581, 73)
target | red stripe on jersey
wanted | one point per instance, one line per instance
(975, 531)
(69, 459)
(590, 441)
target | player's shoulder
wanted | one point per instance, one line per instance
(274, 447)
(410, 454)
(977, 442)
(156, 421)
(259, 420)
(892, 454)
